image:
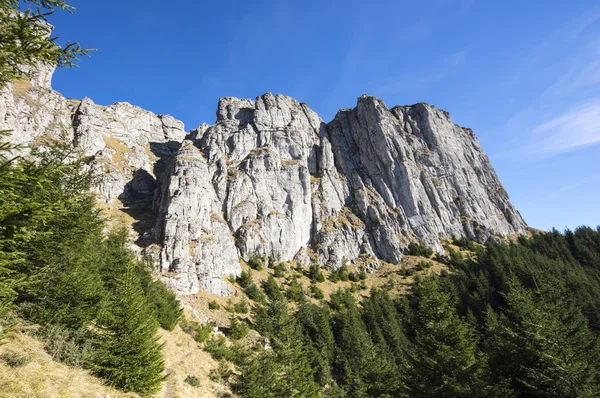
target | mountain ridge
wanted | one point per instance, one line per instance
(271, 178)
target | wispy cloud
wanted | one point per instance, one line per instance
(565, 116)
(576, 128)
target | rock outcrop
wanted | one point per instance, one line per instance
(270, 178)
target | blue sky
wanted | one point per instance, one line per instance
(524, 75)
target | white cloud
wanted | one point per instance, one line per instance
(574, 129)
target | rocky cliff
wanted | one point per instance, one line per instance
(270, 178)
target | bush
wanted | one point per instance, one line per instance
(192, 381)
(199, 332)
(164, 300)
(343, 273)
(222, 373)
(362, 275)
(464, 243)
(245, 279)
(316, 292)
(353, 277)
(254, 293)
(14, 360)
(295, 292)
(218, 349)
(256, 261)
(237, 329)
(423, 265)
(271, 288)
(419, 249)
(72, 347)
(280, 270)
(242, 307)
(315, 273)
(213, 305)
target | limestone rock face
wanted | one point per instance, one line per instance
(271, 178)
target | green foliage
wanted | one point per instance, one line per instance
(464, 243)
(280, 270)
(213, 305)
(271, 288)
(72, 347)
(254, 293)
(14, 360)
(419, 249)
(128, 355)
(315, 273)
(26, 42)
(192, 381)
(315, 292)
(219, 350)
(256, 261)
(284, 370)
(199, 332)
(245, 278)
(445, 359)
(167, 307)
(423, 265)
(238, 329)
(242, 307)
(295, 292)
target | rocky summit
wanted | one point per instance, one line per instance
(270, 178)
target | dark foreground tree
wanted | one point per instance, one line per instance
(128, 354)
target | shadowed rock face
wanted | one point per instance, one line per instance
(270, 177)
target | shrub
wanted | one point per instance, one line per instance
(256, 261)
(245, 279)
(254, 293)
(192, 381)
(242, 307)
(199, 332)
(271, 288)
(164, 300)
(280, 270)
(218, 349)
(362, 275)
(222, 373)
(419, 249)
(465, 243)
(72, 347)
(343, 273)
(423, 265)
(295, 292)
(316, 292)
(363, 285)
(213, 305)
(237, 329)
(315, 273)
(14, 360)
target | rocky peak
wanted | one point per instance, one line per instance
(271, 178)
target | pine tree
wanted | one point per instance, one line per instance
(128, 355)
(445, 360)
(286, 370)
(26, 42)
(542, 345)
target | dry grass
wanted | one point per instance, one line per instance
(20, 87)
(42, 377)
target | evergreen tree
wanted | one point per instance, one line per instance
(26, 42)
(542, 346)
(284, 369)
(128, 355)
(445, 361)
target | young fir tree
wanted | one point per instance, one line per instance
(284, 369)
(444, 360)
(542, 345)
(128, 355)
